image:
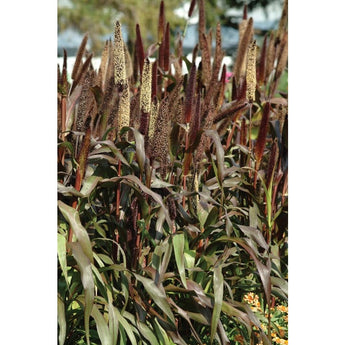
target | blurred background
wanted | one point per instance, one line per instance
(97, 17)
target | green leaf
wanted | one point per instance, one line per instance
(116, 152)
(254, 220)
(264, 270)
(130, 179)
(62, 256)
(218, 288)
(102, 327)
(276, 257)
(89, 185)
(157, 183)
(84, 264)
(68, 190)
(255, 235)
(219, 153)
(158, 295)
(140, 148)
(189, 256)
(113, 321)
(202, 213)
(167, 250)
(147, 333)
(126, 326)
(212, 217)
(281, 283)
(61, 320)
(231, 311)
(106, 259)
(185, 315)
(203, 299)
(72, 216)
(178, 244)
(161, 334)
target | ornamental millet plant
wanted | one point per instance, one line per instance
(172, 191)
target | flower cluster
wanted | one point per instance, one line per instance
(279, 318)
(253, 301)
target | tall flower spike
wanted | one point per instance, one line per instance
(270, 57)
(145, 91)
(161, 22)
(245, 12)
(195, 126)
(145, 96)
(206, 60)
(153, 118)
(261, 140)
(202, 19)
(246, 34)
(119, 57)
(166, 49)
(160, 144)
(120, 78)
(251, 72)
(78, 61)
(262, 63)
(124, 108)
(283, 21)
(191, 8)
(139, 49)
(154, 79)
(282, 59)
(190, 94)
(219, 54)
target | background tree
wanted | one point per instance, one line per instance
(98, 16)
(216, 10)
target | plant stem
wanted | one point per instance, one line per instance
(231, 134)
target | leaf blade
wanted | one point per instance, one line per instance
(178, 244)
(218, 288)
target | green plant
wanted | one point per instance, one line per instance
(172, 198)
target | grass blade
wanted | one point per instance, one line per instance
(219, 153)
(84, 265)
(102, 327)
(158, 295)
(126, 326)
(72, 216)
(62, 255)
(178, 244)
(218, 288)
(147, 333)
(61, 320)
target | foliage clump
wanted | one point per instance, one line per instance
(173, 193)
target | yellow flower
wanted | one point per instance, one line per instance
(249, 298)
(264, 327)
(280, 341)
(283, 308)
